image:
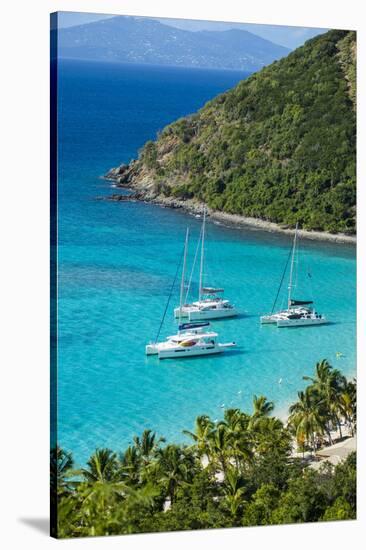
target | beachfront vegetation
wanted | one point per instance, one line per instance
(280, 146)
(242, 470)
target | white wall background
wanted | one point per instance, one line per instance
(24, 198)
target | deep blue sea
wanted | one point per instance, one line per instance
(117, 262)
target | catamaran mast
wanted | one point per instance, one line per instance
(170, 295)
(202, 255)
(183, 275)
(292, 267)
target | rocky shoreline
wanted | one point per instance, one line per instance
(124, 177)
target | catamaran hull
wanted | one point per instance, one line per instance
(184, 313)
(201, 314)
(194, 351)
(268, 320)
(183, 352)
(289, 323)
(191, 352)
(151, 349)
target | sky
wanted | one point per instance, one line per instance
(291, 37)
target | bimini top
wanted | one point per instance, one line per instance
(197, 324)
(211, 290)
(300, 302)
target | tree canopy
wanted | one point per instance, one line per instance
(238, 471)
(280, 146)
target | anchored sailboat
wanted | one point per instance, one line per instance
(298, 312)
(192, 339)
(188, 342)
(210, 303)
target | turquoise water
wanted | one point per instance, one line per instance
(117, 262)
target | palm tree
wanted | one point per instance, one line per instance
(306, 418)
(147, 445)
(270, 436)
(174, 467)
(201, 435)
(238, 439)
(233, 488)
(261, 406)
(61, 465)
(347, 404)
(130, 462)
(102, 466)
(219, 448)
(102, 487)
(236, 421)
(329, 383)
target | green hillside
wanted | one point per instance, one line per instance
(280, 146)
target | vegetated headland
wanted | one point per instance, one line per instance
(277, 149)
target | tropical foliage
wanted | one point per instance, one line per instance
(238, 471)
(280, 146)
(325, 404)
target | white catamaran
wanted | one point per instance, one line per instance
(192, 339)
(299, 312)
(210, 305)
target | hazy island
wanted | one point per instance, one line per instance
(278, 148)
(148, 41)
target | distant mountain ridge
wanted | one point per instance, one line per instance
(280, 146)
(289, 37)
(142, 40)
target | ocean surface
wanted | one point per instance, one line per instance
(117, 262)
